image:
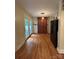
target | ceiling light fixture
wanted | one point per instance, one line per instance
(42, 17)
(42, 13)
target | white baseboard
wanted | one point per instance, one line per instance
(60, 50)
(20, 46)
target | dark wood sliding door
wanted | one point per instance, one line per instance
(42, 25)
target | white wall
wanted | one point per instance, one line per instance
(20, 15)
(61, 33)
(61, 29)
(35, 25)
(19, 27)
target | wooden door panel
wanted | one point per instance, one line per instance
(42, 25)
(45, 25)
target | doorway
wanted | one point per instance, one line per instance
(42, 25)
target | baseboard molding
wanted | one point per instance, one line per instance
(22, 43)
(28, 36)
(60, 50)
(20, 46)
(34, 33)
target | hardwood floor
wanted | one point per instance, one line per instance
(38, 46)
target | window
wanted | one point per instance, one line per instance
(28, 26)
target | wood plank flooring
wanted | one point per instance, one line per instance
(38, 46)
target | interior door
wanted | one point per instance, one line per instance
(42, 25)
(54, 31)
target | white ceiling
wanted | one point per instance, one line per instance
(35, 7)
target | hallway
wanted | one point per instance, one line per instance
(38, 46)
